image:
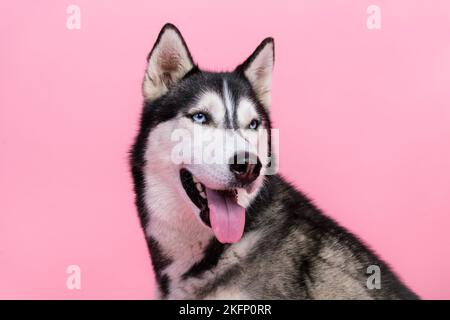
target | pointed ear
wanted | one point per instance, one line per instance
(168, 62)
(258, 70)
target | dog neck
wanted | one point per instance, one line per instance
(180, 238)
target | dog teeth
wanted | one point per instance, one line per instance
(203, 195)
(195, 180)
(199, 187)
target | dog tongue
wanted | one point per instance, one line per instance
(226, 216)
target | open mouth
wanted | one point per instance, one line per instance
(218, 208)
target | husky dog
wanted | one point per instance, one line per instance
(232, 230)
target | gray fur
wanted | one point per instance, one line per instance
(301, 254)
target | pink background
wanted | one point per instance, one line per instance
(364, 119)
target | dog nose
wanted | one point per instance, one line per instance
(245, 167)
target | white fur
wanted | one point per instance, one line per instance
(228, 101)
(173, 223)
(211, 103)
(246, 112)
(229, 293)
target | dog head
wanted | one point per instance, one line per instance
(205, 136)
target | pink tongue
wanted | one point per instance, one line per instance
(227, 217)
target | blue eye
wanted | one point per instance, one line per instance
(199, 117)
(253, 124)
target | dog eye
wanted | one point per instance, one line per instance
(254, 124)
(200, 117)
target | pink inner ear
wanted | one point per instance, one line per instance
(261, 72)
(169, 60)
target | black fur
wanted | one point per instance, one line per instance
(159, 261)
(211, 256)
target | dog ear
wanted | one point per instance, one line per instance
(258, 68)
(168, 62)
